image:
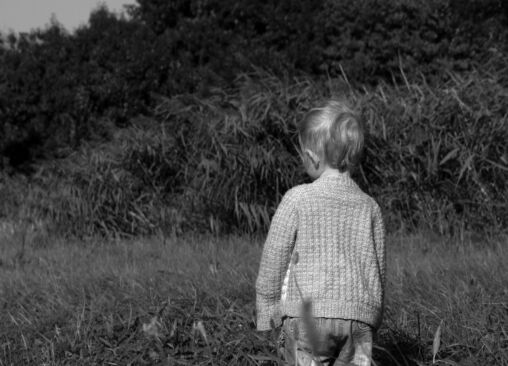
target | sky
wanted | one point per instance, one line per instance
(23, 15)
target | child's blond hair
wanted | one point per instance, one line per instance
(335, 132)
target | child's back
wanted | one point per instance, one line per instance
(325, 246)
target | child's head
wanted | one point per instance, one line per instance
(331, 137)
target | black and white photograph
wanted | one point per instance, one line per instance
(258, 183)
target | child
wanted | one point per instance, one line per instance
(322, 271)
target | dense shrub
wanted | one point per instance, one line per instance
(369, 40)
(59, 89)
(375, 39)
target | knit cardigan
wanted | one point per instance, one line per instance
(327, 244)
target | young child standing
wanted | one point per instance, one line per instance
(322, 271)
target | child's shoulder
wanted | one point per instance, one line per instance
(371, 204)
(296, 193)
(368, 201)
(305, 192)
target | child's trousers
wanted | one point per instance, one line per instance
(326, 341)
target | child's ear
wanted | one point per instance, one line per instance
(313, 157)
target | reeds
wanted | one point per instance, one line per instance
(436, 158)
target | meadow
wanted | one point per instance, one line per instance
(189, 300)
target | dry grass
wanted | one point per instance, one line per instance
(191, 301)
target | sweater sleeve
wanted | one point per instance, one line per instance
(274, 263)
(379, 244)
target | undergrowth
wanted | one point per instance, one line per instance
(190, 300)
(436, 158)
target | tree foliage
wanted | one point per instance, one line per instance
(59, 89)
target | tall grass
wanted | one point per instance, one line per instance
(190, 300)
(436, 158)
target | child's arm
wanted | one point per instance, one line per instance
(379, 243)
(274, 263)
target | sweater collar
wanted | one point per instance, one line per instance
(341, 178)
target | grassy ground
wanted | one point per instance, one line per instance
(191, 301)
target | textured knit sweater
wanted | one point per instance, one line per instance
(326, 245)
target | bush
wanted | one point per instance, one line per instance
(373, 40)
(61, 89)
(369, 40)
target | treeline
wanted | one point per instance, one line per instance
(58, 89)
(215, 148)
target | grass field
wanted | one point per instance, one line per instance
(190, 300)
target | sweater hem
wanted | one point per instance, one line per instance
(366, 313)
